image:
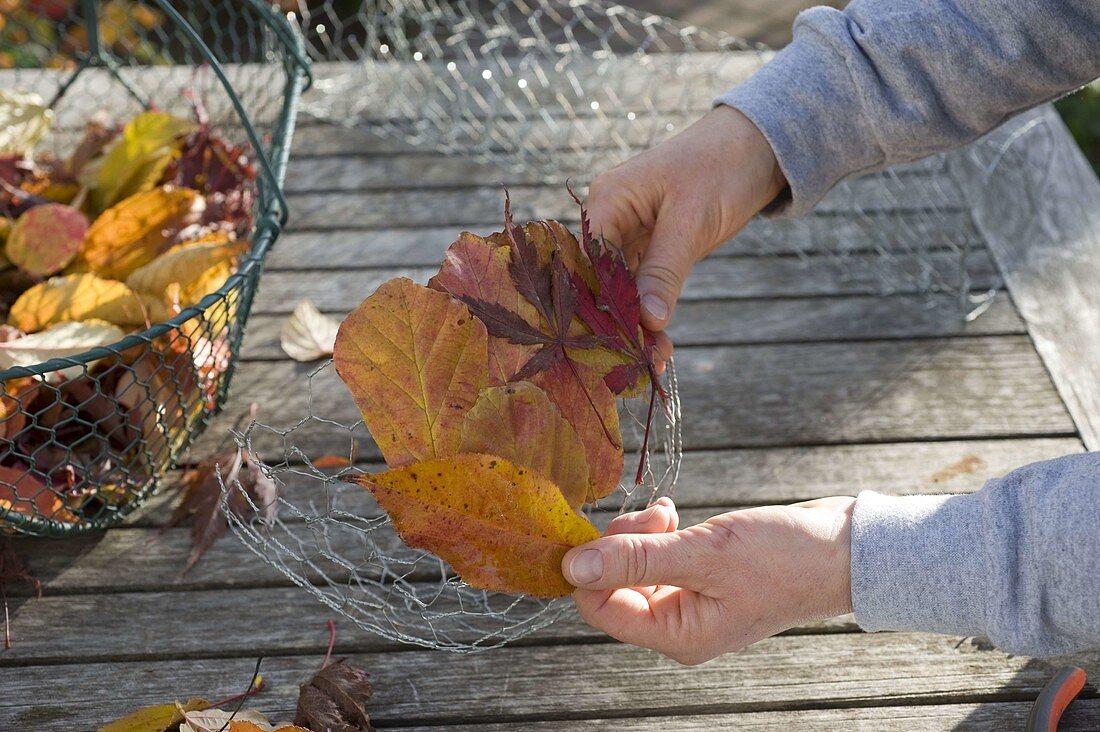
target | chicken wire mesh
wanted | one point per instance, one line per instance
(86, 438)
(545, 90)
(332, 539)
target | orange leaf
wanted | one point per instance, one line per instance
(604, 453)
(500, 526)
(519, 423)
(21, 491)
(134, 231)
(414, 360)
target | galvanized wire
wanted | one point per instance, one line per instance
(331, 538)
(81, 452)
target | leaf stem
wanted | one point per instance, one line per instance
(331, 642)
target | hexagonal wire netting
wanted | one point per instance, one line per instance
(534, 92)
(86, 438)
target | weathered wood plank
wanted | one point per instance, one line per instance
(747, 396)
(476, 205)
(514, 684)
(1083, 716)
(359, 172)
(894, 234)
(1034, 198)
(719, 278)
(779, 320)
(141, 557)
(219, 623)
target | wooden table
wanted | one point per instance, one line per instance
(797, 382)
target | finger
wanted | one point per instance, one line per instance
(659, 518)
(664, 268)
(638, 618)
(663, 351)
(633, 560)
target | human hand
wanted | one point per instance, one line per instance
(672, 205)
(696, 593)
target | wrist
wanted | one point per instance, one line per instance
(828, 585)
(754, 155)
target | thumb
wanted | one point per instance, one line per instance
(664, 268)
(631, 560)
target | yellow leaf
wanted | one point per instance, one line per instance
(138, 158)
(157, 718)
(519, 423)
(185, 274)
(133, 233)
(75, 297)
(414, 360)
(501, 527)
(24, 120)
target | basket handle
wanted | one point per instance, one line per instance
(267, 171)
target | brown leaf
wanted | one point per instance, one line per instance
(414, 360)
(335, 700)
(308, 334)
(133, 232)
(76, 297)
(519, 423)
(24, 492)
(46, 238)
(502, 527)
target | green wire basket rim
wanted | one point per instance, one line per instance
(271, 220)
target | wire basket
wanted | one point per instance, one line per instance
(81, 453)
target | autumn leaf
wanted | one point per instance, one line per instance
(46, 238)
(519, 423)
(185, 274)
(133, 232)
(414, 360)
(335, 700)
(23, 492)
(581, 395)
(156, 718)
(217, 720)
(73, 298)
(62, 339)
(15, 398)
(24, 120)
(308, 334)
(136, 161)
(502, 527)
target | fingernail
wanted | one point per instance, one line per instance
(655, 306)
(587, 566)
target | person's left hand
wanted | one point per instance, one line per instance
(696, 593)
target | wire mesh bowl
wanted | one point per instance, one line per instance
(86, 438)
(332, 539)
(544, 90)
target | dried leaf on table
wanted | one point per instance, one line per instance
(24, 120)
(133, 232)
(502, 527)
(335, 700)
(76, 297)
(251, 492)
(185, 274)
(157, 718)
(519, 423)
(308, 334)
(414, 360)
(62, 339)
(137, 160)
(46, 238)
(216, 720)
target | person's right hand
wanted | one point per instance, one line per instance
(672, 205)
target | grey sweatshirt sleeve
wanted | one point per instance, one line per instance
(1018, 561)
(889, 81)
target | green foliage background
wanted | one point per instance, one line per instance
(1081, 113)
